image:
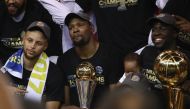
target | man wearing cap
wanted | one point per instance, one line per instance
(59, 9)
(15, 16)
(164, 33)
(87, 49)
(33, 76)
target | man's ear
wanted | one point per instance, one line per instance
(46, 45)
(23, 33)
(92, 28)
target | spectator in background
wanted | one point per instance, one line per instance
(33, 76)
(87, 49)
(17, 15)
(180, 10)
(59, 10)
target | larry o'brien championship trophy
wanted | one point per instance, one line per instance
(171, 68)
(86, 83)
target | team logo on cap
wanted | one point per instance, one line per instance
(160, 15)
(135, 78)
(41, 24)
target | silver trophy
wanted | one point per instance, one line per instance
(86, 83)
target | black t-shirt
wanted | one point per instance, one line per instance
(10, 31)
(123, 26)
(148, 57)
(180, 8)
(54, 83)
(106, 66)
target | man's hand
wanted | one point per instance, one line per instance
(70, 107)
(182, 23)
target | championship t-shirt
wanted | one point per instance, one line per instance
(106, 66)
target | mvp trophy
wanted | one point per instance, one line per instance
(171, 68)
(86, 83)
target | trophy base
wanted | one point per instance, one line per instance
(85, 90)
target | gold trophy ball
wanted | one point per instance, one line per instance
(171, 67)
(85, 71)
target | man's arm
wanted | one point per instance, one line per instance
(67, 100)
(182, 23)
(53, 105)
(59, 10)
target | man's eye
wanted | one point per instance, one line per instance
(29, 40)
(81, 24)
(39, 43)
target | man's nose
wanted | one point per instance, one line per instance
(33, 45)
(75, 29)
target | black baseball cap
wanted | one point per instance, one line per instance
(42, 26)
(164, 18)
(80, 15)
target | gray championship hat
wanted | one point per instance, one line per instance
(80, 15)
(42, 26)
(163, 17)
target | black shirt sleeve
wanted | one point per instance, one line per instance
(54, 85)
(61, 65)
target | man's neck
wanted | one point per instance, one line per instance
(89, 50)
(29, 63)
(19, 17)
(172, 46)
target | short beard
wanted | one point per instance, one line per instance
(82, 42)
(31, 58)
(19, 10)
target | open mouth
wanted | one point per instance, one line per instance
(12, 7)
(158, 40)
(30, 52)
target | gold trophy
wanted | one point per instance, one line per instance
(86, 83)
(171, 68)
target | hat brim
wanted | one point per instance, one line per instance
(153, 20)
(71, 16)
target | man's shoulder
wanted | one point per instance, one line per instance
(53, 70)
(149, 49)
(110, 49)
(68, 53)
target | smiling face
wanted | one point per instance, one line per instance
(81, 31)
(15, 7)
(34, 43)
(163, 35)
